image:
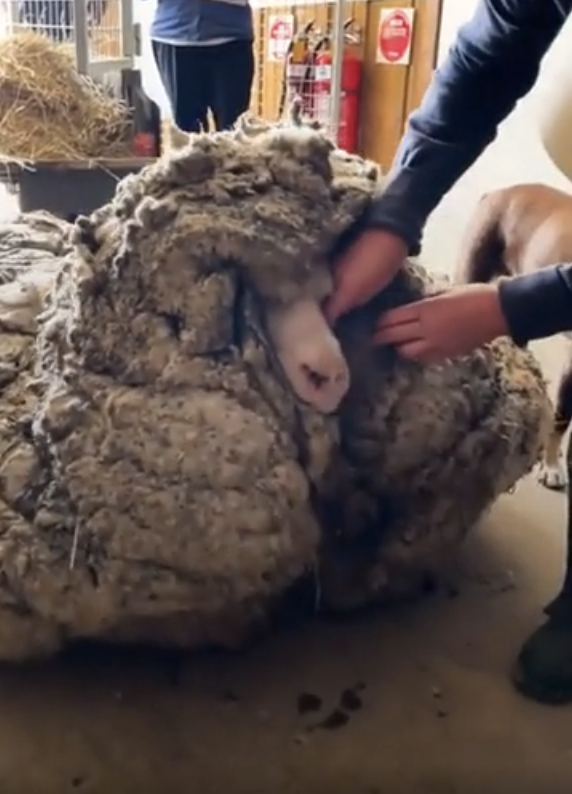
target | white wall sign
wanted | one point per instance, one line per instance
(280, 32)
(394, 36)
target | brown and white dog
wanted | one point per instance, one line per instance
(517, 230)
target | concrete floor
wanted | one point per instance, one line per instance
(437, 711)
(429, 683)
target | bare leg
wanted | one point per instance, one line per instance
(553, 471)
(543, 670)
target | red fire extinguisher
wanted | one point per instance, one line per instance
(347, 134)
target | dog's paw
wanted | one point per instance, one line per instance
(553, 477)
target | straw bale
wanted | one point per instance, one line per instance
(49, 112)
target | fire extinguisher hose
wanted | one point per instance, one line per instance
(306, 30)
(309, 74)
(284, 86)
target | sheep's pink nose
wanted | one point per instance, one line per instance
(321, 380)
(310, 354)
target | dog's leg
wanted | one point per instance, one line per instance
(552, 473)
(482, 249)
(543, 670)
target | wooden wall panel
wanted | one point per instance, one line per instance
(424, 53)
(384, 93)
(105, 40)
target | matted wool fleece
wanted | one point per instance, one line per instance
(159, 482)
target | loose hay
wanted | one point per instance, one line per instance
(49, 112)
(158, 480)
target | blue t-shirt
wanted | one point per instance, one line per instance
(193, 22)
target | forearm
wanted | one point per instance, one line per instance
(493, 63)
(538, 305)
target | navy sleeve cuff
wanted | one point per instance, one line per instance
(537, 305)
(396, 210)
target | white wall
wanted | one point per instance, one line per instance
(516, 155)
(143, 11)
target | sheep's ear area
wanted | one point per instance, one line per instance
(321, 284)
(309, 354)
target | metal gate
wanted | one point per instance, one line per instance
(276, 21)
(99, 33)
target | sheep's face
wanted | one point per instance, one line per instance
(309, 353)
(228, 216)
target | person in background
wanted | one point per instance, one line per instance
(204, 53)
(494, 61)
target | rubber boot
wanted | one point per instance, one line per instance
(543, 669)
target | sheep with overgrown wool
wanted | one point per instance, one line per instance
(184, 440)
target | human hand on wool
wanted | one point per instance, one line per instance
(368, 266)
(449, 324)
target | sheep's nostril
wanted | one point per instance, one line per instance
(322, 384)
(317, 379)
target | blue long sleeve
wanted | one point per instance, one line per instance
(538, 305)
(494, 62)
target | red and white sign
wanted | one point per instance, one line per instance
(280, 32)
(394, 36)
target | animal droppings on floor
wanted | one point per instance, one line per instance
(350, 700)
(307, 703)
(336, 719)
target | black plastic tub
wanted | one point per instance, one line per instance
(68, 189)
